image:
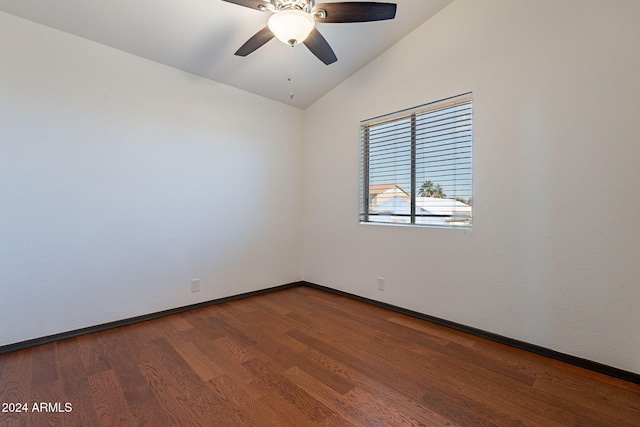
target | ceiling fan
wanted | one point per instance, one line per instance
(294, 21)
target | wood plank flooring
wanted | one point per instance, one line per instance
(301, 357)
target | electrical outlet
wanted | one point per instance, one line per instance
(195, 285)
(381, 284)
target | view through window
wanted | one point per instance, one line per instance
(416, 165)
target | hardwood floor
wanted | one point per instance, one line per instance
(301, 357)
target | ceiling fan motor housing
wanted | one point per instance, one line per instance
(303, 5)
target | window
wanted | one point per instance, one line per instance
(416, 166)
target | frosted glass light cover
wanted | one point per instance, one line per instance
(291, 26)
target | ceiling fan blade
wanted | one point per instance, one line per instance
(255, 42)
(253, 4)
(319, 46)
(365, 11)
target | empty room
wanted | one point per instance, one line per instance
(319, 213)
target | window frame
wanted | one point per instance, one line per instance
(449, 221)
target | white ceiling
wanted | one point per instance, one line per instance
(201, 36)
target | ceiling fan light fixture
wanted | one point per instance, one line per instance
(291, 26)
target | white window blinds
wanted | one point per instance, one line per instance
(416, 165)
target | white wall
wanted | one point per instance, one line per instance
(554, 255)
(122, 179)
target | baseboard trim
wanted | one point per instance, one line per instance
(132, 320)
(532, 348)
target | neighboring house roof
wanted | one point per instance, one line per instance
(424, 205)
(436, 206)
(394, 206)
(382, 188)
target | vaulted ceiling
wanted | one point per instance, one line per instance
(201, 36)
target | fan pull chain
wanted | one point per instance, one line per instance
(291, 74)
